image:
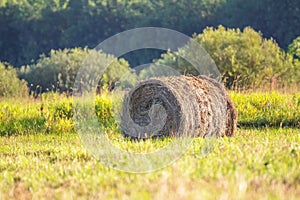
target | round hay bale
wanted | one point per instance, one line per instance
(231, 112)
(178, 106)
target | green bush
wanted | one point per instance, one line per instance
(294, 51)
(244, 58)
(294, 48)
(58, 70)
(10, 85)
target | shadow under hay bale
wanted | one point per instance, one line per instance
(178, 106)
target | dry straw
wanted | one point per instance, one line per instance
(178, 106)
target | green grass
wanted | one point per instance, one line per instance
(267, 109)
(26, 117)
(261, 163)
(43, 158)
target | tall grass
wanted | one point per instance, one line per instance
(53, 113)
(267, 109)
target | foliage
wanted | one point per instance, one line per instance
(58, 70)
(294, 48)
(10, 85)
(32, 27)
(275, 18)
(294, 51)
(244, 58)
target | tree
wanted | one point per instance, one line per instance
(294, 51)
(30, 28)
(58, 70)
(294, 48)
(10, 84)
(244, 58)
(278, 19)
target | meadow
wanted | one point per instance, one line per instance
(43, 157)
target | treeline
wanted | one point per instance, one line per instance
(32, 27)
(244, 58)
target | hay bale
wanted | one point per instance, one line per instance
(178, 106)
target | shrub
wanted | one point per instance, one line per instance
(294, 48)
(10, 85)
(294, 52)
(244, 58)
(58, 70)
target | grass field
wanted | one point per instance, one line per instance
(255, 164)
(49, 161)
